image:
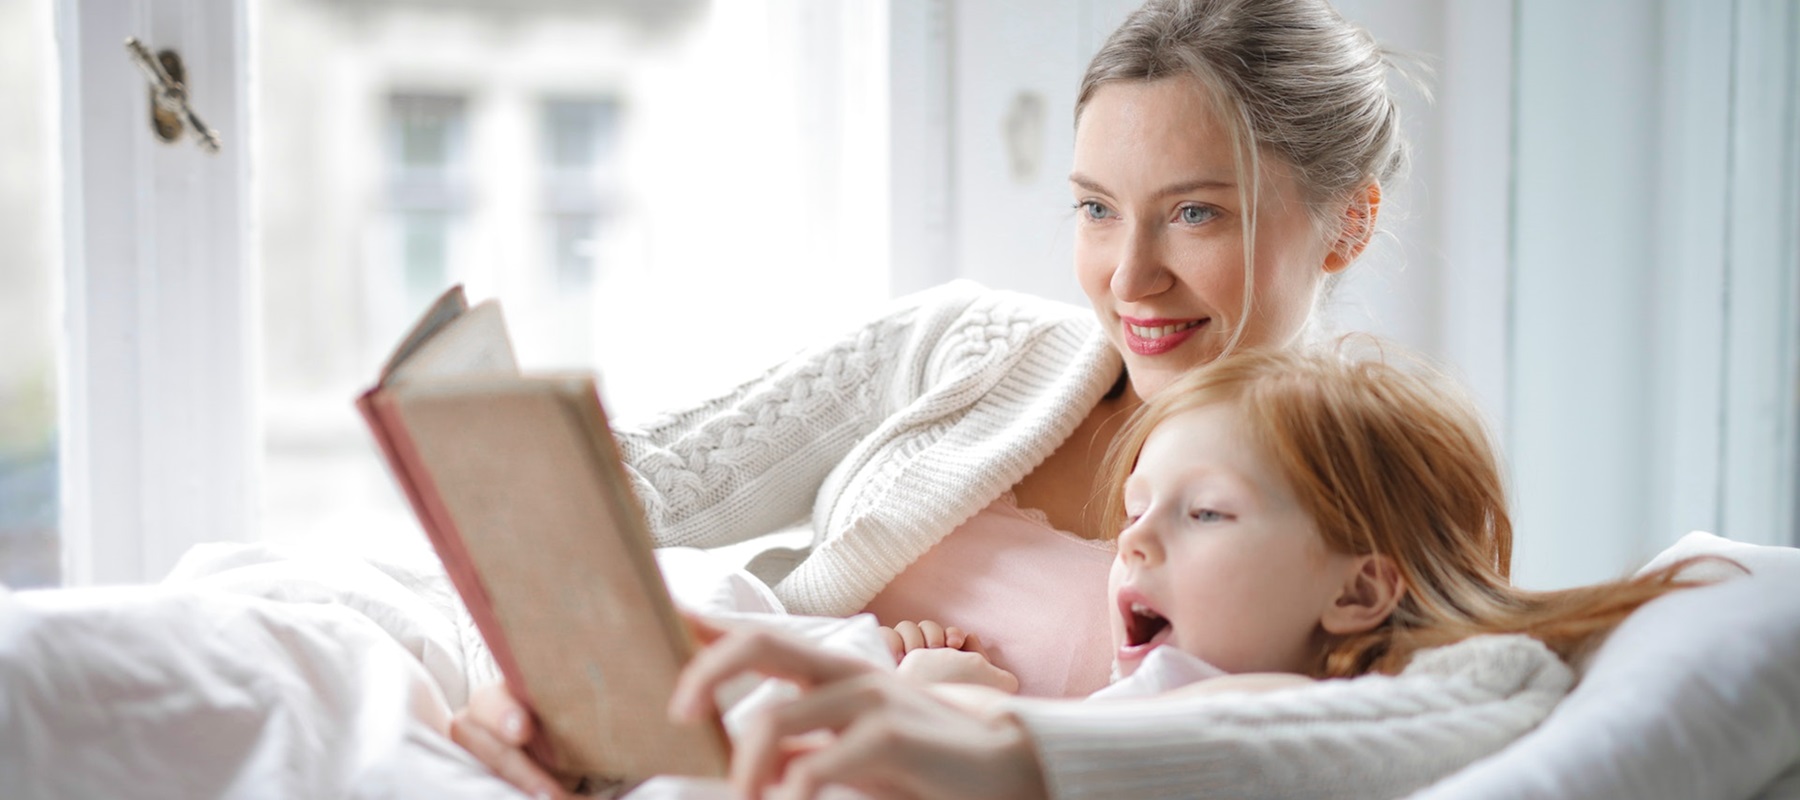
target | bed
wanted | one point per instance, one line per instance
(262, 671)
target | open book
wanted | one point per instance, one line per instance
(517, 480)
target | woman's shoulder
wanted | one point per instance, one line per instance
(965, 297)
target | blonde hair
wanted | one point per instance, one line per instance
(1395, 463)
(1291, 79)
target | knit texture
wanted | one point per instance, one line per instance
(1376, 736)
(888, 438)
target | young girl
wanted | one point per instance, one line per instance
(1284, 518)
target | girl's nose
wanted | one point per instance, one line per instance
(1138, 541)
(1141, 272)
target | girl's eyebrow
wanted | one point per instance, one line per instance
(1184, 187)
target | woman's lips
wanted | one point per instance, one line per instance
(1149, 337)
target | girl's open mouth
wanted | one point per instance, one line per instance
(1145, 630)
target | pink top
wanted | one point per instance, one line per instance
(1035, 595)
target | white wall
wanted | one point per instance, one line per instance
(1599, 239)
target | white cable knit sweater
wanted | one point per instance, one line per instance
(890, 437)
(1376, 736)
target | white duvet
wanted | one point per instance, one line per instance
(259, 671)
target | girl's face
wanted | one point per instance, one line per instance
(1218, 559)
(1159, 244)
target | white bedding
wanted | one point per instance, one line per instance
(259, 671)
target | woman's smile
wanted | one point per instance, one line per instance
(1149, 337)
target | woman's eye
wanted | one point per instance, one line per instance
(1207, 515)
(1194, 215)
(1093, 210)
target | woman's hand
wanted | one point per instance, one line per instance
(495, 728)
(857, 726)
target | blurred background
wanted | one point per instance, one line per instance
(1598, 235)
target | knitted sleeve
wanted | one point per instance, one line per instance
(752, 461)
(1376, 736)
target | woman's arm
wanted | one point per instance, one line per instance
(1374, 736)
(753, 460)
(890, 737)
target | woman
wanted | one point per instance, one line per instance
(1228, 162)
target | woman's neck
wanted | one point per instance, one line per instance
(1066, 487)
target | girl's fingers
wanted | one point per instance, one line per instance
(954, 637)
(895, 644)
(910, 634)
(932, 632)
(760, 651)
(973, 644)
(507, 761)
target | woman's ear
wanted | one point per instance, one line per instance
(1371, 590)
(1356, 228)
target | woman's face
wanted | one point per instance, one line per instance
(1159, 242)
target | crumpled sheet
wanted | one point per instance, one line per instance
(257, 670)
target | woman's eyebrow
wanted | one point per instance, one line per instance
(1184, 187)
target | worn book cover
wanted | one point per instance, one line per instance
(518, 483)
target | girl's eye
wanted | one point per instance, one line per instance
(1194, 215)
(1093, 210)
(1207, 515)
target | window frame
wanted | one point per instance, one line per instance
(160, 350)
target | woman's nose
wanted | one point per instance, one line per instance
(1141, 272)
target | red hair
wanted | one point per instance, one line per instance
(1397, 463)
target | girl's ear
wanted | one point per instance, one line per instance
(1371, 590)
(1356, 229)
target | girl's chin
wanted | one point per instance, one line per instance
(1122, 671)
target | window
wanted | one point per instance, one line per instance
(603, 169)
(29, 198)
(427, 165)
(578, 160)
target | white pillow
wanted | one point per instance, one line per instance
(1696, 695)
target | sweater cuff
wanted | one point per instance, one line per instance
(1088, 750)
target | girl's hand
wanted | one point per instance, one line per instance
(907, 636)
(856, 726)
(494, 728)
(927, 652)
(944, 665)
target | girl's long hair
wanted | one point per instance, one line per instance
(1394, 462)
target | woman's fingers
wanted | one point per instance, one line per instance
(494, 708)
(760, 651)
(854, 759)
(506, 760)
(705, 631)
(767, 741)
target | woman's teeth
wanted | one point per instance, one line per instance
(1161, 330)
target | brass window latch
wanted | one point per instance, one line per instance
(169, 107)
